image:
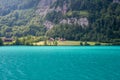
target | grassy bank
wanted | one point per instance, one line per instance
(41, 41)
(67, 43)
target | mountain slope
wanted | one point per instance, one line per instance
(85, 20)
(103, 17)
(17, 16)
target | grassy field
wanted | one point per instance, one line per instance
(66, 43)
(39, 41)
(8, 43)
(80, 13)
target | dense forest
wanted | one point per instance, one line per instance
(18, 18)
(104, 22)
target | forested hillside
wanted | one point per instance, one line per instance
(7, 6)
(85, 20)
(17, 18)
(103, 16)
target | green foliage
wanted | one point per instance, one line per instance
(36, 30)
(55, 43)
(17, 42)
(45, 43)
(21, 26)
(77, 14)
(69, 32)
(104, 21)
(54, 17)
(7, 6)
(1, 42)
(86, 43)
(81, 44)
(18, 18)
(20, 21)
(97, 44)
(24, 41)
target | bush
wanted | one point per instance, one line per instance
(81, 44)
(86, 44)
(97, 44)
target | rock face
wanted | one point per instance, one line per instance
(48, 24)
(44, 7)
(62, 9)
(81, 21)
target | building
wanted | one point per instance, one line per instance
(7, 39)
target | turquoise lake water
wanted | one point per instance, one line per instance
(60, 63)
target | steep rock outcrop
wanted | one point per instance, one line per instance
(81, 21)
(44, 7)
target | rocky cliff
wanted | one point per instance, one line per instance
(48, 6)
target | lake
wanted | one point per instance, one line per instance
(60, 63)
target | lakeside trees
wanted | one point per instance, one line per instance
(1, 42)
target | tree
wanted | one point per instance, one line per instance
(45, 43)
(86, 43)
(97, 44)
(55, 43)
(1, 42)
(81, 44)
(17, 42)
